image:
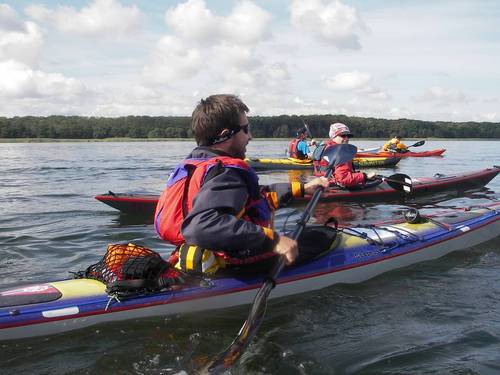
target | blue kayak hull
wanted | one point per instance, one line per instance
(60, 306)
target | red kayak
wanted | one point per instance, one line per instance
(146, 204)
(385, 154)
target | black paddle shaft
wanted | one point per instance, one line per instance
(301, 224)
(308, 130)
(229, 356)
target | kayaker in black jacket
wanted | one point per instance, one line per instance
(213, 208)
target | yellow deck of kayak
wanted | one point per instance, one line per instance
(292, 161)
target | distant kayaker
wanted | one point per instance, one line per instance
(298, 148)
(213, 208)
(344, 174)
(395, 145)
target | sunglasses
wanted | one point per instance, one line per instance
(245, 128)
(220, 139)
(344, 135)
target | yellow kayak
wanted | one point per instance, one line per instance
(291, 163)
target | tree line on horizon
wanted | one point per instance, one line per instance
(284, 126)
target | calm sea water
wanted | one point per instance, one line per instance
(440, 317)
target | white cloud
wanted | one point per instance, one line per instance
(492, 116)
(195, 23)
(442, 95)
(235, 79)
(19, 40)
(247, 24)
(9, 20)
(18, 80)
(233, 55)
(334, 22)
(355, 81)
(104, 18)
(278, 72)
(172, 61)
(222, 47)
(238, 47)
(374, 93)
(399, 112)
(348, 81)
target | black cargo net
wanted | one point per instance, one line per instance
(127, 262)
(129, 269)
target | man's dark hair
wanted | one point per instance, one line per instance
(301, 131)
(213, 114)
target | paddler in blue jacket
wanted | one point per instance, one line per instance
(213, 208)
(298, 148)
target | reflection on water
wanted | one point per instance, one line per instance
(346, 213)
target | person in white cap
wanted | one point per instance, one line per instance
(344, 174)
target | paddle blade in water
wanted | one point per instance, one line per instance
(229, 356)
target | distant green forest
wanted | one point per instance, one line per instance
(78, 127)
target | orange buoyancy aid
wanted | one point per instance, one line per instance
(395, 145)
(185, 182)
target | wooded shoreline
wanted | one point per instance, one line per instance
(285, 126)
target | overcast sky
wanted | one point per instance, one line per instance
(429, 60)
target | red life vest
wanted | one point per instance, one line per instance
(185, 182)
(292, 148)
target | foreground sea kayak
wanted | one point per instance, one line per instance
(146, 204)
(355, 255)
(385, 154)
(297, 164)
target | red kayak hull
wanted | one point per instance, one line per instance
(146, 204)
(385, 154)
(421, 186)
(130, 203)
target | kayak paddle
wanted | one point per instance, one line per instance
(344, 152)
(418, 144)
(228, 357)
(307, 128)
(398, 181)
